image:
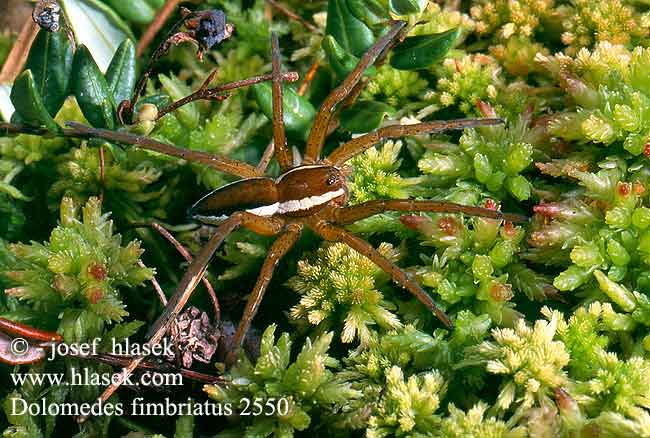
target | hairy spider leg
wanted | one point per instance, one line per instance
(223, 164)
(279, 249)
(265, 226)
(359, 144)
(279, 137)
(191, 278)
(321, 121)
(188, 257)
(335, 234)
(348, 215)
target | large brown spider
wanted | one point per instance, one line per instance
(312, 194)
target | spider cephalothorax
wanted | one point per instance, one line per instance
(312, 194)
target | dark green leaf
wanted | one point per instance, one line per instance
(28, 103)
(298, 111)
(365, 115)
(50, 60)
(371, 12)
(423, 51)
(120, 75)
(352, 34)
(406, 7)
(341, 61)
(136, 11)
(91, 90)
(156, 4)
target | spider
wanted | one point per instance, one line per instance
(312, 194)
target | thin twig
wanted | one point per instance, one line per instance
(155, 26)
(266, 157)
(205, 93)
(19, 52)
(156, 286)
(188, 257)
(173, 37)
(148, 364)
(309, 76)
(291, 14)
(102, 167)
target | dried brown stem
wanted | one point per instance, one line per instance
(156, 286)
(148, 364)
(78, 130)
(216, 93)
(309, 76)
(188, 257)
(291, 14)
(155, 26)
(266, 157)
(19, 52)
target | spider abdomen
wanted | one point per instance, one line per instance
(255, 195)
(297, 192)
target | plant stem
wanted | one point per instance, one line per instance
(19, 52)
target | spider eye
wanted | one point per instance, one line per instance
(331, 180)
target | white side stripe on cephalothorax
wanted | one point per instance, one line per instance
(265, 210)
(308, 202)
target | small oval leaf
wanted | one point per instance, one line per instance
(422, 51)
(120, 75)
(50, 60)
(28, 103)
(371, 12)
(342, 62)
(365, 115)
(135, 11)
(351, 33)
(298, 111)
(91, 90)
(406, 7)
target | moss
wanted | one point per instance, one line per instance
(551, 315)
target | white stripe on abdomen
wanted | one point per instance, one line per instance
(308, 202)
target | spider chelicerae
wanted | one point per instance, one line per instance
(312, 194)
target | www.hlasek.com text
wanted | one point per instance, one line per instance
(88, 377)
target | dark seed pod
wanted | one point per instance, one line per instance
(212, 28)
(194, 337)
(46, 14)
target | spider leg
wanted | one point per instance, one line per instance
(188, 257)
(359, 144)
(191, 278)
(354, 213)
(280, 247)
(223, 164)
(279, 137)
(333, 233)
(321, 122)
(187, 285)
